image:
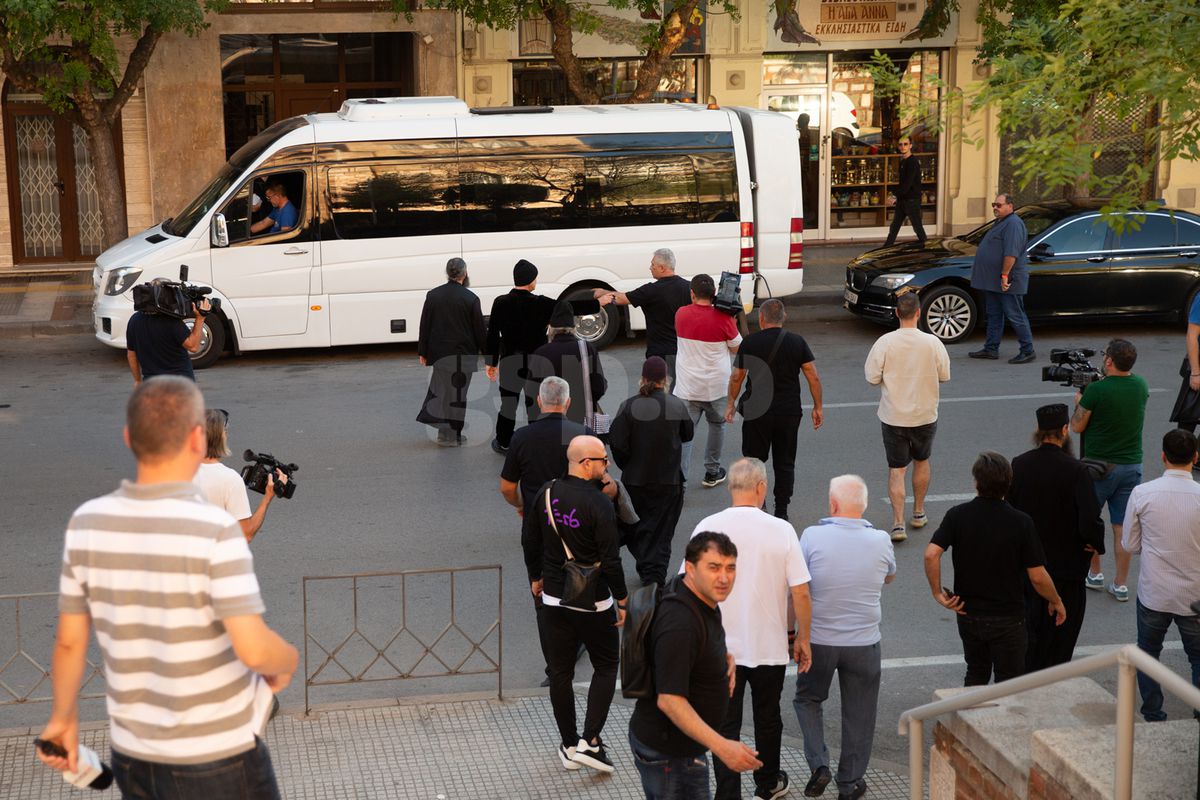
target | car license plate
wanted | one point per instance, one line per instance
(851, 297)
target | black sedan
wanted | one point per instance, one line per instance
(1080, 267)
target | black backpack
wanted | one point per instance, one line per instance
(637, 664)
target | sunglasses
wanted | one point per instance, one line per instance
(224, 416)
(594, 458)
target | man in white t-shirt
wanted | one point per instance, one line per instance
(849, 561)
(909, 364)
(707, 338)
(769, 568)
(223, 486)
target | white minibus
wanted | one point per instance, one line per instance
(385, 191)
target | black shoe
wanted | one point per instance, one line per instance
(1023, 358)
(498, 448)
(593, 755)
(990, 354)
(781, 788)
(858, 791)
(712, 479)
(816, 784)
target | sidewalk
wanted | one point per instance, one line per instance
(56, 303)
(471, 749)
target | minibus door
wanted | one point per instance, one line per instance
(265, 266)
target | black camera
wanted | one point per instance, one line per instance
(171, 298)
(728, 298)
(1071, 367)
(255, 475)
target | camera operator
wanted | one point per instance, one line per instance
(223, 486)
(159, 344)
(1111, 411)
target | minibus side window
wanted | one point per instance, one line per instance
(265, 205)
(645, 189)
(523, 194)
(386, 200)
(716, 186)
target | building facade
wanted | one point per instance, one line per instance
(204, 96)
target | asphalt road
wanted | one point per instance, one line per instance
(376, 494)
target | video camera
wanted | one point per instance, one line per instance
(728, 299)
(173, 299)
(255, 475)
(1071, 367)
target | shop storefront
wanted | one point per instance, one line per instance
(847, 131)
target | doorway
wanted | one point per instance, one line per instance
(54, 202)
(808, 108)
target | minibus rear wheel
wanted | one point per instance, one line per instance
(601, 328)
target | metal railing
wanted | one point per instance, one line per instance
(1128, 660)
(451, 666)
(21, 660)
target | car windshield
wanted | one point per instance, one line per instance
(1036, 219)
(183, 223)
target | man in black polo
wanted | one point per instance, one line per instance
(570, 519)
(659, 301)
(773, 359)
(159, 344)
(538, 451)
(516, 327)
(994, 548)
(671, 732)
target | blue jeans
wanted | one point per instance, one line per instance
(713, 412)
(1001, 306)
(858, 670)
(1152, 627)
(667, 777)
(246, 776)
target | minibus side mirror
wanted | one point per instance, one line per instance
(219, 232)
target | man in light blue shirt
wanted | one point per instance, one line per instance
(849, 561)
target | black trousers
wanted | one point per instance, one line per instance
(563, 630)
(774, 436)
(1051, 644)
(649, 541)
(514, 381)
(992, 645)
(910, 208)
(766, 686)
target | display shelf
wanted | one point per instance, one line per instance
(881, 173)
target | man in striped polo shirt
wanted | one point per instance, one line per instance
(169, 583)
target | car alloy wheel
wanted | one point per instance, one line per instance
(949, 313)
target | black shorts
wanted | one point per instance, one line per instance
(905, 445)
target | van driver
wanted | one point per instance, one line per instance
(283, 214)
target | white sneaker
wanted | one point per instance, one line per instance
(1094, 581)
(567, 756)
(593, 755)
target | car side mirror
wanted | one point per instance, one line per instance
(219, 231)
(1041, 250)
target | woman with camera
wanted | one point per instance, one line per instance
(222, 486)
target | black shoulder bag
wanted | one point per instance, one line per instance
(579, 580)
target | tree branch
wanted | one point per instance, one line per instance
(139, 59)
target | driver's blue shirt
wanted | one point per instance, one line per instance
(1006, 238)
(285, 217)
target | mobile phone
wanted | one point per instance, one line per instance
(947, 592)
(49, 748)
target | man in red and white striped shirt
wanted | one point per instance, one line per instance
(168, 582)
(707, 340)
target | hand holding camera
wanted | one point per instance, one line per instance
(259, 476)
(177, 299)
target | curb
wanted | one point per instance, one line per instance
(31, 330)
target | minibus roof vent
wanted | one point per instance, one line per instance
(385, 108)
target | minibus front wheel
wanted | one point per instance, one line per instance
(212, 341)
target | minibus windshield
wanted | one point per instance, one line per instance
(183, 223)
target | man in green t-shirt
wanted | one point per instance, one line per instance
(1111, 412)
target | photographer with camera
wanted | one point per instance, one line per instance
(223, 486)
(161, 344)
(1111, 411)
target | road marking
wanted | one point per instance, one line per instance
(935, 661)
(984, 399)
(882, 498)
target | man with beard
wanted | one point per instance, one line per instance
(450, 341)
(1055, 488)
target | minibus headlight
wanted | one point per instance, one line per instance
(120, 279)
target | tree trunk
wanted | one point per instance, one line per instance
(670, 37)
(559, 15)
(1087, 133)
(108, 181)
